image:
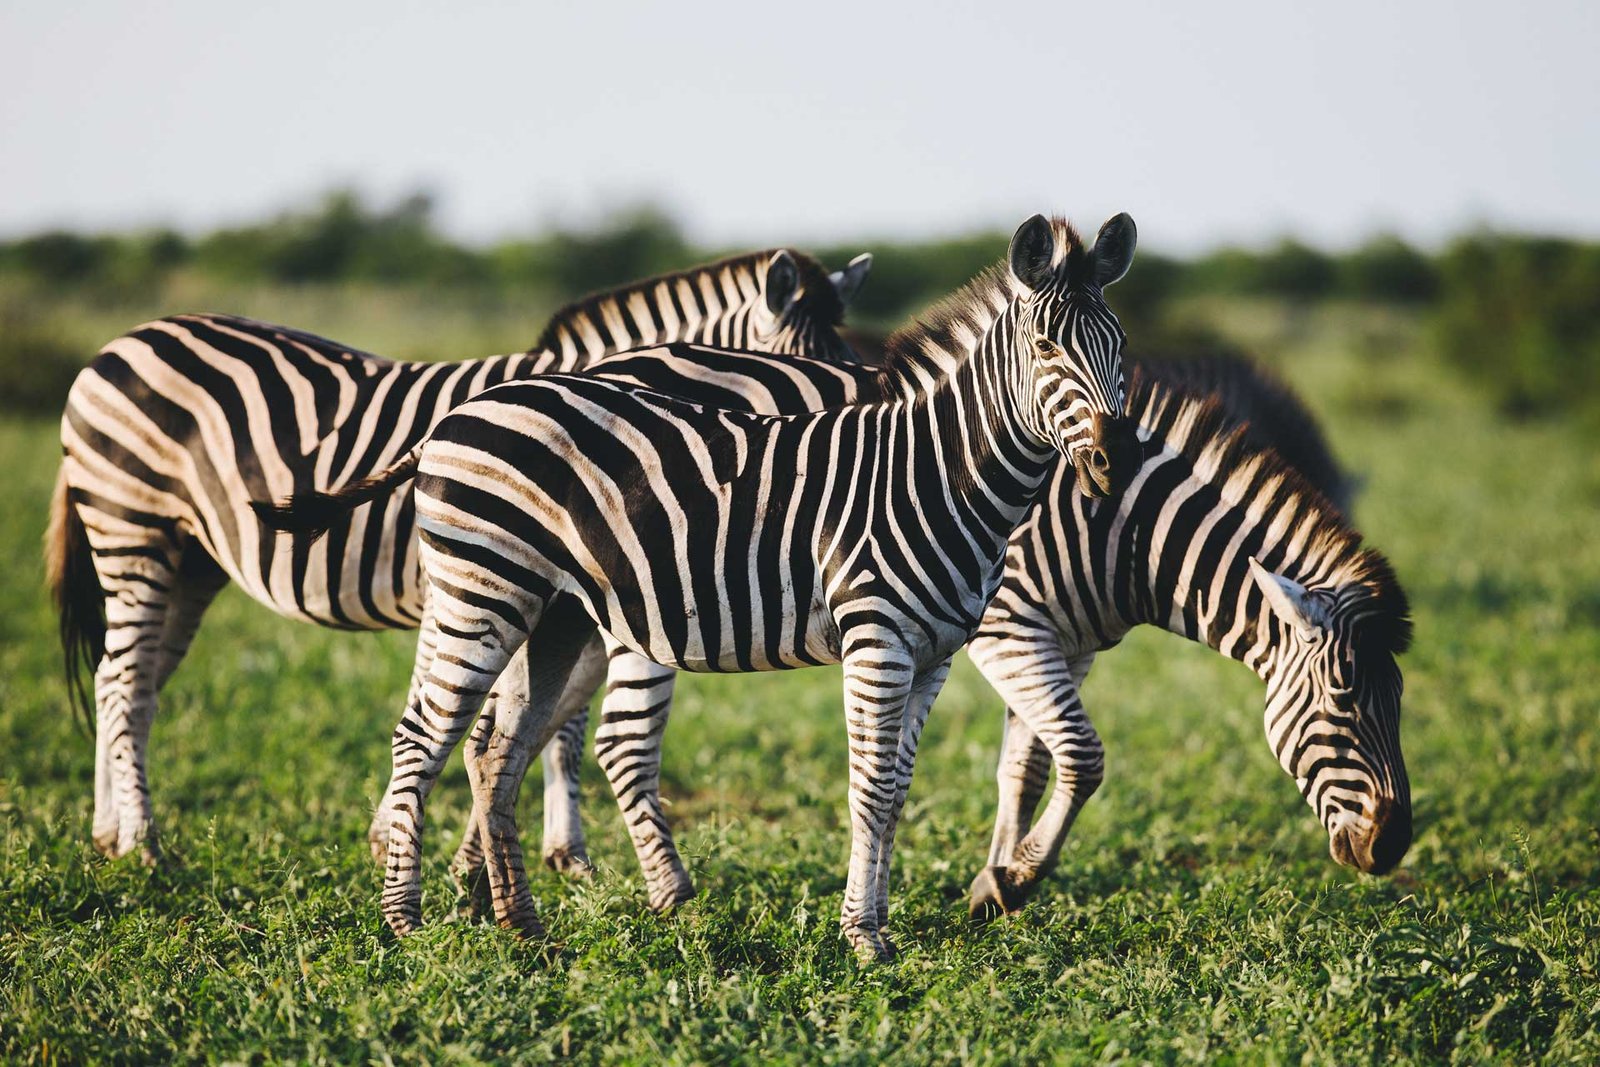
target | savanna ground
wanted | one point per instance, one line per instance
(1196, 915)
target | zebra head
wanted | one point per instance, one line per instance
(1075, 344)
(1333, 708)
(802, 305)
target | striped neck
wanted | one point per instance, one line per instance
(721, 304)
(1204, 501)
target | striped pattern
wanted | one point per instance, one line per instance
(1227, 545)
(178, 425)
(1225, 409)
(869, 535)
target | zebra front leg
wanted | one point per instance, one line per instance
(1022, 774)
(923, 692)
(633, 718)
(878, 678)
(472, 649)
(1039, 681)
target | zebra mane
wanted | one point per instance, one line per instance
(1219, 448)
(818, 297)
(918, 355)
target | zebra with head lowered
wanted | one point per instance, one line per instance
(179, 424)
(869, 534)
(1227, 544)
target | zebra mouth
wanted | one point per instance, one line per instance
(1094, 472)
(1374, 848)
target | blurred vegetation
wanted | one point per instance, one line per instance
(1520, 315)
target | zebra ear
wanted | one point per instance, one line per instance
(847, 282)
(783, 279)
(1290, 601)
(1033, 253)
(1113, 249)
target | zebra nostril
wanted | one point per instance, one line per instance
(1098, 459)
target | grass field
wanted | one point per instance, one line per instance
(1196, 915)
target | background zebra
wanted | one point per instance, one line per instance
(1260, 407)
(870, 535)
(1227, 545)
(176, 426)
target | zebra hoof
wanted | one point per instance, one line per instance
(871, 946)
(671, 898)
(574, 863)
(993, 895)
(526, 927)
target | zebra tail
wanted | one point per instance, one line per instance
(80, 602)
(314, 513)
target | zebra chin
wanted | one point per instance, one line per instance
(1376, 844)
(1107, 462)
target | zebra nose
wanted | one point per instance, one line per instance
(1388, 840)
(1378, 846)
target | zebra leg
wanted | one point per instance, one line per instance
(383, 815)
(507, 705)
(524, 727)
(1035, 676)
(878, 678)
(138, 579)
(1022, 775)
(923, 692)
(564, 848)
(472, 648)
(633, 717)
(467, 866)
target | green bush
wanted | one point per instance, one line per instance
(37, 362)
(1522, 316)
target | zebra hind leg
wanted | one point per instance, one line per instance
(1022, 775)
(138, 575)
(383, 815)
(523, 726)
(1042, 687)
(473, 647)
(565, 850)
(627, 745)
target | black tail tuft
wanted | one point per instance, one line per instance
(80, 602)
(314, 513)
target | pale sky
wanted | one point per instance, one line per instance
(1211, 123)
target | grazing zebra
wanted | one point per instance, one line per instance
(869, 535)
(1227, 545)
(176, 426)
(638, 699)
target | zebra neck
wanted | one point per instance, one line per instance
(994, 458)
(710, 304)
(1180, 560)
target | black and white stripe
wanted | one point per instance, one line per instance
(1227, 545)
(869, 535)
(178, 425)
(1228, 411)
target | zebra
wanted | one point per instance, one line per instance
(177, 425)
(1265, 410)
(870, 534)
(1227, 544)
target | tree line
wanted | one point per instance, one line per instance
(1521, 314)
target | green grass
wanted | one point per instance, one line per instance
(1195, 917)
